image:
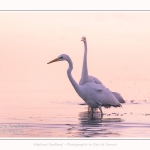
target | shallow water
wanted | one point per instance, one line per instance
(69, 118)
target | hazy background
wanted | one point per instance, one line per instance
(118, 53)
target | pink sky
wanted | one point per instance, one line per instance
(118, 50)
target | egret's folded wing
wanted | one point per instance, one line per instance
(95, 80)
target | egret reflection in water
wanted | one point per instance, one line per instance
(93, 127)
(86, 119)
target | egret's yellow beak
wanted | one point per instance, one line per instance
(53, 61)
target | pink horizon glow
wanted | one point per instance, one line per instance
(118, 50)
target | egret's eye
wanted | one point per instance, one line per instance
(60, 57)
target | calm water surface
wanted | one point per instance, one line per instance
(62, 117)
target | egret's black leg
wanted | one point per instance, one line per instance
(92, 111)
(88, 108)
(100, 108)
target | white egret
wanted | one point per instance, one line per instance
(95, 95)
(85, 78)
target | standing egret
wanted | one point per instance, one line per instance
(95, 95)
(85, 78)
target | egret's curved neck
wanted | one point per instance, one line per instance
(84, 67)
(73, 82)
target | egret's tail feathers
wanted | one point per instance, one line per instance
(119, 97)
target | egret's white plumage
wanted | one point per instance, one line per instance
(95, 95)
(85, 78)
